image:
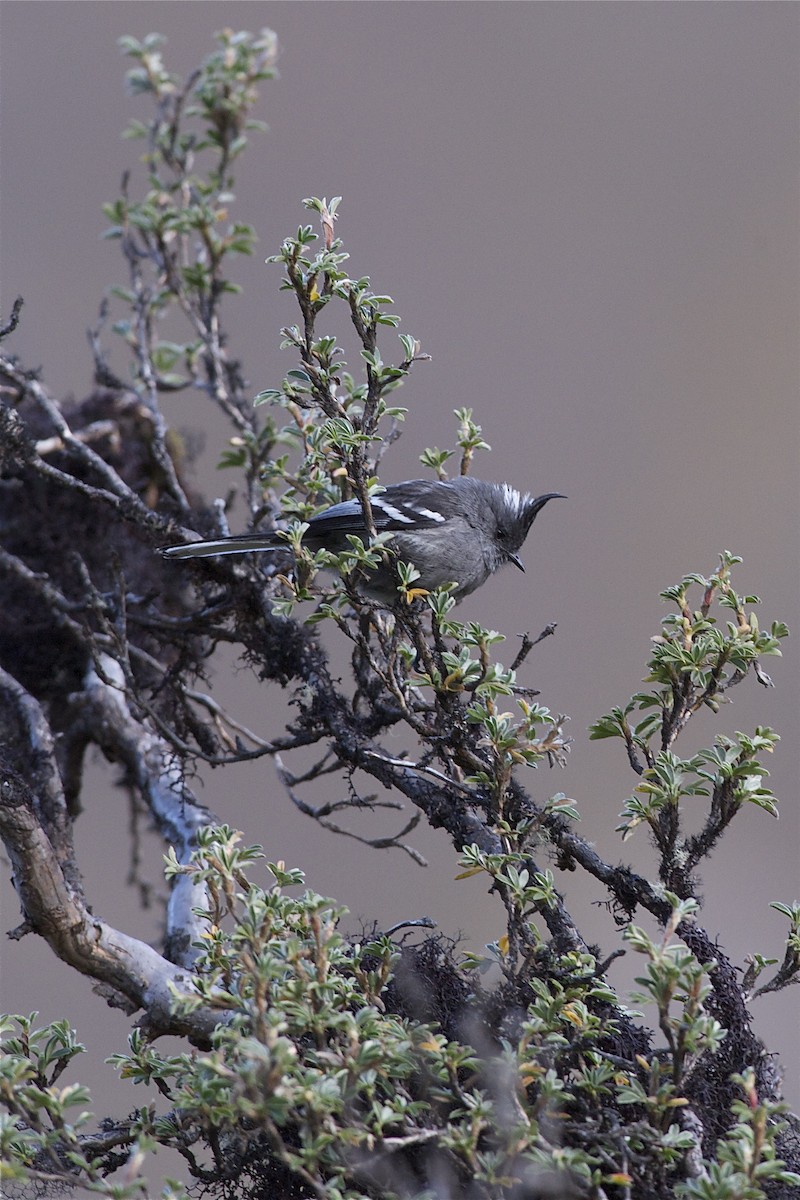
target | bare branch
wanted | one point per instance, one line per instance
(11, 324)
(159, 777)
(85, 942)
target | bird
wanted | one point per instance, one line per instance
(455, 531)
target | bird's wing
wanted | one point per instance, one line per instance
(415, 503)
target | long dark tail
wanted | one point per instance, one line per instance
(243, 543)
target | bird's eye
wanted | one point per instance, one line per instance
(501, 533)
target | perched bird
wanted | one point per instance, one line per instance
(454, 531)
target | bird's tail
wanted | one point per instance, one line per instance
(243, 543)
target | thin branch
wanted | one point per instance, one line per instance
(406, 764)
(419, 923)
(320, 815)
(528, 643)
(114, 484)
(12, 322)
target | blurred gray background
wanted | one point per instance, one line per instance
(588, 213)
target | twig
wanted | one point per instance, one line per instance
(13, 320)
(421, 767)
(528, 643)
(320, 814)
(419, 923)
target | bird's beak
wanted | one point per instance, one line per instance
(517, 561)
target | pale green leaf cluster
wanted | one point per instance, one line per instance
(308, 1066)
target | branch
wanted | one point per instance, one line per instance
(90, 945)
(322, 813)
(465, 829)
(51, 803)
(29, 386)
(158, 775)
(13, 321)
